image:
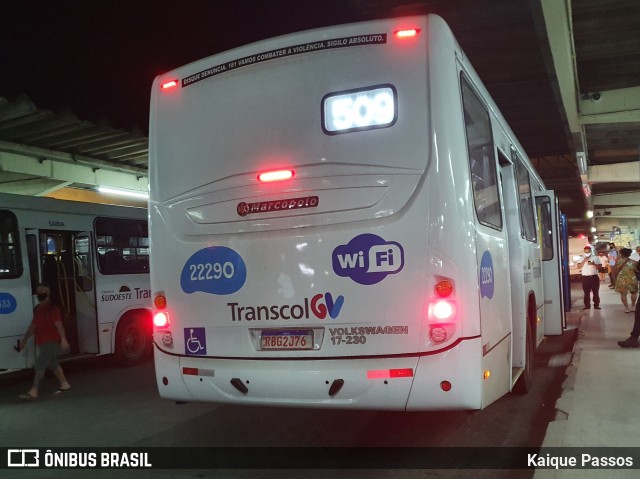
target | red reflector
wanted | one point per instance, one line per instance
(277, 175)
(445, 386)
(408, 33)
(190, 371)
(401, 373)
(390, 373)
(169, 84)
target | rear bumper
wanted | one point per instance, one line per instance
(363, 383)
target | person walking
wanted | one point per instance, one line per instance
(613, 258)
(632, 340)
(590, 278)
(626, 281)
(50, 339)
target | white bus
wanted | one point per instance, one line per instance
(342, 218)
(95, 258)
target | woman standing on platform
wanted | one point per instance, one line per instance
(602, 268)
(626, 281)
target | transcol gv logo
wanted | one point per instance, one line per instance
(368, 259)
(318, 306)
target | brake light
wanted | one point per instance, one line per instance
(276, 175)
(442, 310)
(161, 319)
(406, 33)
(169, 84)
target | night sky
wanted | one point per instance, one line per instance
(99, 58)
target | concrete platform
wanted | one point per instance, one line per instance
(600, 404)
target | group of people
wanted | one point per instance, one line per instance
(622, 267)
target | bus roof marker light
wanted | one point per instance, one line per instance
(275, 175)
(168, 85)
(406, 33)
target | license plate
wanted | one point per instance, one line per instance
(287, 339)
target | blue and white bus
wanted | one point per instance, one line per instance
(342, 218)
(94, 257)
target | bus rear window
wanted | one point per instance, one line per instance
(10, 261)
(122, 245)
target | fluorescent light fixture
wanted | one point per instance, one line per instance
(122, 192)
(582, 162)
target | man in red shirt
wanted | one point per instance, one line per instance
(50, 339)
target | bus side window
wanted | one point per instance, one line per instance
(527, 216)
(123, 245)
(486, 196)
(112, 261)
(10, 260)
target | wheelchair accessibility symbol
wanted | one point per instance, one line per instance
(195, 342)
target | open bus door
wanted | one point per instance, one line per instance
(564, 240)
(549, 225)
(62, 259)
(85, 298)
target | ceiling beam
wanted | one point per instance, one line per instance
(628, 172)
(628, 198)
(611, 106)
(621, 212)
(67, 168)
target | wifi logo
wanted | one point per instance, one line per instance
(368, 259)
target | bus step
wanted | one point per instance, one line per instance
(239, 385)
(336, 386)
(515, 374)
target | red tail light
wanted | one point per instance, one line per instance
(444, 288)
(442, 312)
(161, 317)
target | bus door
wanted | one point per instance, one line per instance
(85, 299)
(516, 267)
(551, 247)
(56, 258)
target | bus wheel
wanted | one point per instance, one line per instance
(133, 342)
(525, 381)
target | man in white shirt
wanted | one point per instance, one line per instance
(590, 279)
(635, 256)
